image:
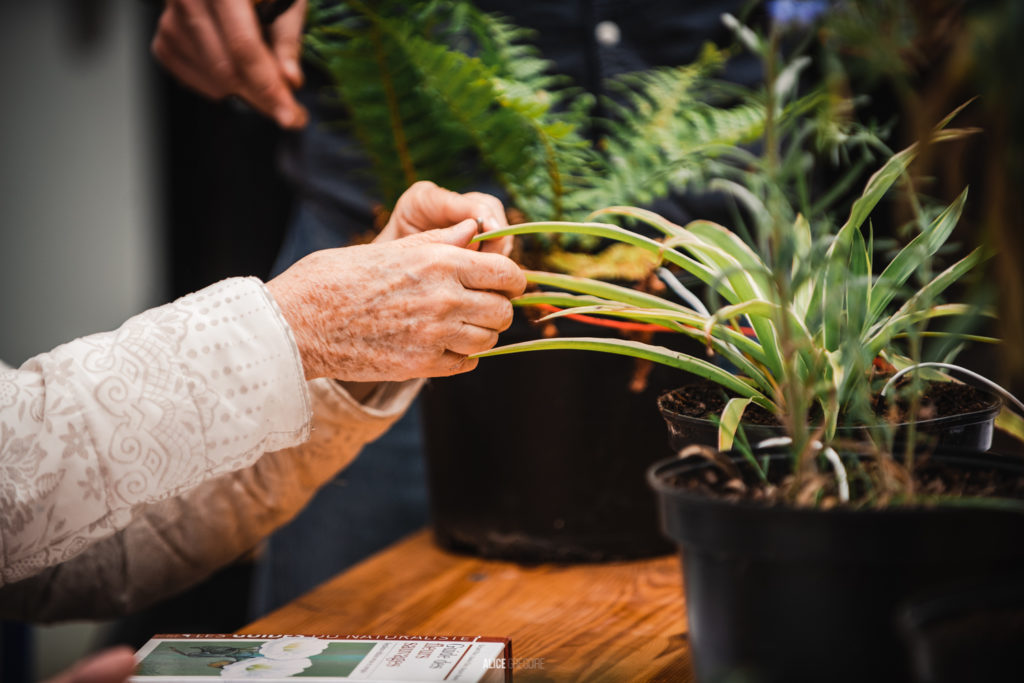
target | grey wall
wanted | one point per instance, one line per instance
(78, 247)
(78, 241)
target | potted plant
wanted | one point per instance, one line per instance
(772, 591)
(443, 91)
(801, 556)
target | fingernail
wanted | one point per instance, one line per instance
(479, 224)
(291, 117)
(285, 116)
(295, 73)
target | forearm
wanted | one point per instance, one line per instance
(175, 543)
(104, 424)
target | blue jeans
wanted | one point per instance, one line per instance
(376, 500)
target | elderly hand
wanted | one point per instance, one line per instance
(217, 47)
(425, 206)
(413, 307)
(115, 665)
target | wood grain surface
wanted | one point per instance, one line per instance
(621, 621)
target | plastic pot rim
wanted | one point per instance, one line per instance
(659, 471)
(981, 415)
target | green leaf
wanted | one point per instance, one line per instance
(607, 231)
(730, 421)
(858, 290)
(667, 227)
(911, 256)
(919, 306)
(734, 346)
(605, 290)
(1011, 423)
(658, 354)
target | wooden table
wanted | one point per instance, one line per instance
(621, 621)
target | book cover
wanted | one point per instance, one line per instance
(385, 659)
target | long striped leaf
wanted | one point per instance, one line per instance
(698, 324)
(858, 286)
(921, 301)
(665, 226)
(658, 354)
(613, 232)
(909, 258)
(1011, 423)
(730, 421)
(759, 308)
(742, 352)
(605, 290)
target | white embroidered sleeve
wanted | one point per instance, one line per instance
(175, 543)
(105, 423)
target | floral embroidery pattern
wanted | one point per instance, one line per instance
(19, 463)
(101, 425)
(75, 441)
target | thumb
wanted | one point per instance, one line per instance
(459, 235)
(110, 666)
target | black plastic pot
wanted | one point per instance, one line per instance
(971, 431)
(967, 632)
(777, 594)
(541, 456)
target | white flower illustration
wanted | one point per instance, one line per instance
(262, 667)
(292, 648)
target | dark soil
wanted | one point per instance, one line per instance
(940, 399)
(874, 480)
(932, 481)
(707, 400)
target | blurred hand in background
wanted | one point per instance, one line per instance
(115, 665)
(219, 48)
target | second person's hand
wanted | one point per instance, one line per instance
(217, 47)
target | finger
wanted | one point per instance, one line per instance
(179, 64)
(491, 272)
(459, 235)
(260, 80)
(472, 339)
(490, 208)
(201, 44)
(448, 208)
(286, 42)
(110, 666)
(452, 363)
(493, 213)
(486, 309)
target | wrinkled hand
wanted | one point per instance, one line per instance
(217, 47)
(110, 666)
(425, 206)
(413, 307)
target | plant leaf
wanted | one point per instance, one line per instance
(910, 257)
(1011, 423)
(730, 421)
(658, 354)
(908, 313)
(605, 290)
(613, 232)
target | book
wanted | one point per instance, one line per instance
(328, 659)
